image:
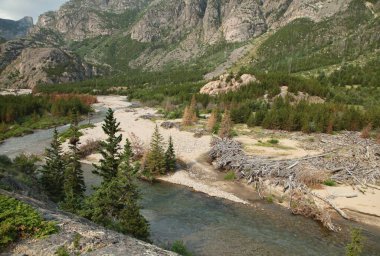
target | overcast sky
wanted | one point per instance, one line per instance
(17, 9)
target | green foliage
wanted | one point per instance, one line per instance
(109, 149)
(273, 141)
(180, 248)
(19, 220)
(155, 160)
(330, 183)
(114, 205)
(230, 176)
(20, 115)
(270, 199)
(69, 132)
(62, 251)
(170, 158)
(53, 170)
(304, 45)
(74, 186)
(355, 247)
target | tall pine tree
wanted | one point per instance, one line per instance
(53, 170)
(74, 186)
(155, 160)
(115, 203)
(109, 149)
(170, 158)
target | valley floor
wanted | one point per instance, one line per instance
(199, 175)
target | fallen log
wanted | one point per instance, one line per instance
(336, 208)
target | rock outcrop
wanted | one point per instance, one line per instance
(10, 29)
(29, 66)
(227, 83)
(90, 238)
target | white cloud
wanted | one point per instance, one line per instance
(17, 9)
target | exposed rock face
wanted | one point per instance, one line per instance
(10, 29)
(231, 20)
(44, 65)
(281, 12)
(78, 20)
(93, 239)
(227, 83)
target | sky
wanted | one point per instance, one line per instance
(18, 9)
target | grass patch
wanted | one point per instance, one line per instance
(270, 199)
(272, 143)
(19, 220)
(180, 248)
(230, 176)
(69, 132)
(329, 183)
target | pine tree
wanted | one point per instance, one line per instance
(115, 203)
(125, 160)
(155, 161)
(226, 125)
(109, 149)
(74, 186)
(53, 170)
(212, 120)
(170, 158)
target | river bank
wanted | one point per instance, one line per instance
(200, 176)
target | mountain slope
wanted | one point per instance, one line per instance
(10, 29)
(119, 36)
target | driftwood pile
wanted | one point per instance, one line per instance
(346, 159)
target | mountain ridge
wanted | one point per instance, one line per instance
(117, 36)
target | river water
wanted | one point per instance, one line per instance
(210, 226)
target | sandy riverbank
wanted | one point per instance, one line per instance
(202, 177)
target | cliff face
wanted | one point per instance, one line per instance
(10, 29)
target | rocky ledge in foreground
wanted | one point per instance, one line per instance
(79, 236)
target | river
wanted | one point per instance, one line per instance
(211, 226)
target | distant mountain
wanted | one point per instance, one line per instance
(10, 29)
(116, 36)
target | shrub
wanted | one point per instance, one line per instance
(311, 178)
(329, 182)
(270, 199)
(273, 141)
(355, 247)
(90, 147)
(19, 220)
(230, 176)
(366, 132)
(180, 248)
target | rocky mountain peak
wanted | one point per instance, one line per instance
(10, 29)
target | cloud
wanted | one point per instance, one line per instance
(17, 9)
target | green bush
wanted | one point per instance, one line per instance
(19, 220)
(329, 182)
(273, 141)
(355, 247)
(230, 176)
(180, 248)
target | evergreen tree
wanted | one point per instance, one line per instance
(355, 247)
(109, 149)
(155, 160)
(53, 170)
(170, 158)
(74, 186)
(115, 203)
(226, 125)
